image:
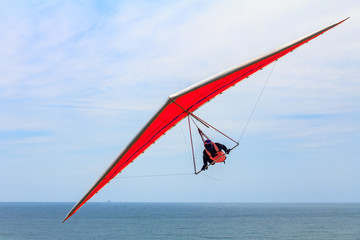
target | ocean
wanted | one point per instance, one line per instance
(174, 221)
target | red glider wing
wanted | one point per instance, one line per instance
(179, 104)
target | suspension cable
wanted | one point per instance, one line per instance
(253, 110)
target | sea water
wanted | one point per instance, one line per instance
(180, 221)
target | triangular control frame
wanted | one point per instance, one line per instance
(203, 136)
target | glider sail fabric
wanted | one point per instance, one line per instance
(180, 104)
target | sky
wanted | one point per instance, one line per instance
(79, 79)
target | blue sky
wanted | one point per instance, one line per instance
(78, 79)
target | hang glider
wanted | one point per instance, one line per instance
(181, 104)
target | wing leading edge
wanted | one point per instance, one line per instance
(179, 104)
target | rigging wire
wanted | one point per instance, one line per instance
(169, 175)
(217, 179)
(253, 110)
(186, 143)
(192, 145)
(158, 175)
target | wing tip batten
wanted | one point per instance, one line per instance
(67, 216)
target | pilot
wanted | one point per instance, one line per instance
(213, 152)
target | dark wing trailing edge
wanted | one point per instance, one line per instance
(179, 104)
